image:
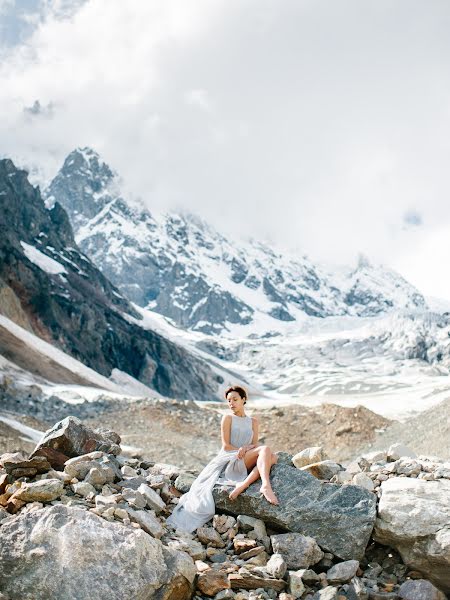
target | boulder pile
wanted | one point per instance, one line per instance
(80, 521)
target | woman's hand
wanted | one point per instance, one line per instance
(244, 449)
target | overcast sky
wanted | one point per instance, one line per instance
(319, 125)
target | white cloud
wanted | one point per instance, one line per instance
(314, 124)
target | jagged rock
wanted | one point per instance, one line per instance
(363, 480)
(339, 518)
(44, 490)
(276, 566)
(153, 499)
(342, 572)
(139, 567)
(296, 585)
(187, 544)
(208, 535)
(328, 593)
(413, 518)
(184, 481)
(309, 456)
(147, 521)
(211, 582)
(83, 489)
(134, 498)
(222, 523)
(249, 581)
(398, 450)
(243, 544)
(252, 552)
(419, 589)
(309, 576)
(324, 469)
(72, 437)
(248, 524)
(38, 464)
(299, 551)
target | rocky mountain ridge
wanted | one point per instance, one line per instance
(179, 266)
(54, 290)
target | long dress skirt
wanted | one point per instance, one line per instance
(197, 507)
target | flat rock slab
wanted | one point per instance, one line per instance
(253, 582)
(339, 517)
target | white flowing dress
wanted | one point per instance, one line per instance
(197, 507)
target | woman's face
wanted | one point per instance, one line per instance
(235, 402)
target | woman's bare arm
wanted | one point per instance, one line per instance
(255, 425)
(226, 433)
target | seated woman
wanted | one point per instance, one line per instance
(239, 455)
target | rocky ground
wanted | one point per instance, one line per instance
(338, 534)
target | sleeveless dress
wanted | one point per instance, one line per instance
(197, 507)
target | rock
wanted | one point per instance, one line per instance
(296, 585)
(247, 523)
(147, 520)
(284, 596)
(134, 498)
(184, 481)
(342, 572)
(243, 545)
(224, 594)
(83, 489)
(139, 567)
(276, 566)
(96, 477)
(182, 576)
(252, 552)
(376, 456)
(208, 535)
(222, 523)
(38, 464)
(419, 589)
(72, 437)
(328, 593)
(299, 551)
(154, 500)
(249, 581)
(342, 477)
(211, 582)
(363, 480)
(187, 544)
(44, 490)
(407, 466)
(323, 470)
(309, 576)
(309, 456)
(284, 458)
(413, 518)
(339, 518)
(398, 450)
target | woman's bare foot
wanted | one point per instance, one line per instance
(237, 490)
(269, 495)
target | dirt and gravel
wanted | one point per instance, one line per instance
(188, 434)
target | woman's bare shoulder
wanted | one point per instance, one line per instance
(255, 420)
(226, 418)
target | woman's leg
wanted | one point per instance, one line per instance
(261, 459)
(251, 477)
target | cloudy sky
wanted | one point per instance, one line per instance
(322, 126)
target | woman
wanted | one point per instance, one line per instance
(239, 455)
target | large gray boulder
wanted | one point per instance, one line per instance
(339, 518)
(68, 553)
(414, 518)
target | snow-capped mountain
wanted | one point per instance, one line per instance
(49, 288)
(179, 266)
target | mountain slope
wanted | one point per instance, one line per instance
(179, 266)
(58, 293)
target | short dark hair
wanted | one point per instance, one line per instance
(240, 390)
